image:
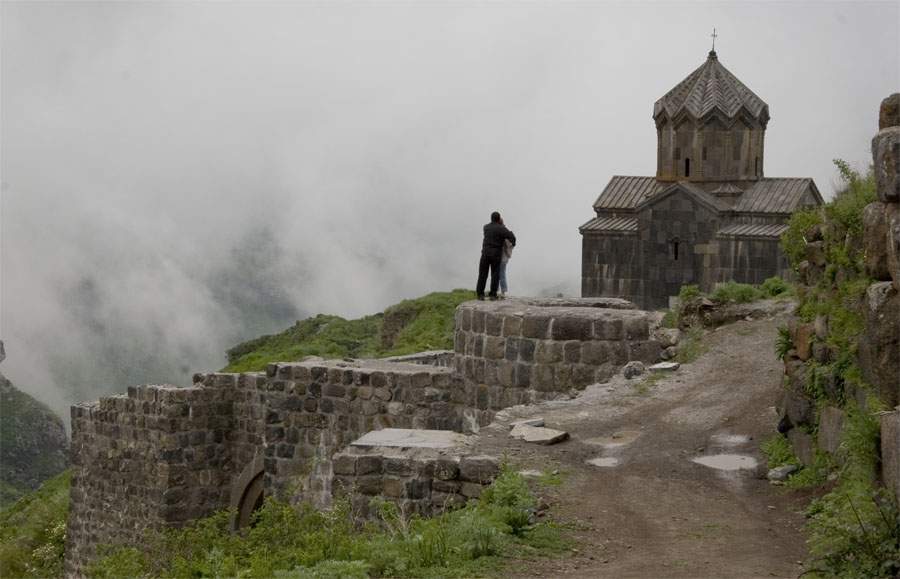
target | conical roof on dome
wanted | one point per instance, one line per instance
(711, 87)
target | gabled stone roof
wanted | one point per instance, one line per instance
(691, 189)
(611, 224)
(708, 89)
(778, 195)
(768, 195)
(623, 192)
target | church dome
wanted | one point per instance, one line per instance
(709, 89)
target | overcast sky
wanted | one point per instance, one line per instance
(144, 144)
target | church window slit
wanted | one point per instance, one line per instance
(687, 167)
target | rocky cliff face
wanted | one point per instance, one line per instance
(33, 443)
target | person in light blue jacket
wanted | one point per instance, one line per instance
(504, 258)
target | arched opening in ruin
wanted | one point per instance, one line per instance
(247, 494)
(250, 502)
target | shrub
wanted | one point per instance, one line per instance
(775, 286)
(736, 292)
(801, 223)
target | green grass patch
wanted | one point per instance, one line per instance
(691, 345)
(33, 531)
(429, 322)
(298, 541)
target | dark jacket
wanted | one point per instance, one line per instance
(494, 234)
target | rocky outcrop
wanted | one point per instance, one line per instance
(878, 346)
(33, 443)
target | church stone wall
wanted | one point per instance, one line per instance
(747, 260)
(678, 221)
(610, 265)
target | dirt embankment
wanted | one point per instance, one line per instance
(635, 488)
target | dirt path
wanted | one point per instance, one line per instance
(656, 512)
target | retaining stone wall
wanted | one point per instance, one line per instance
(523, 351)
(425, 482)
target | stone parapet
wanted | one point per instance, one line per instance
(521, 351)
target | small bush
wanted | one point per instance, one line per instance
(775, 286)
(778, 452)
(688, 291)
(801, 223)
(783, 343)
(736, 292)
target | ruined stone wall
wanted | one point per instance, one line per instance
(519, 352)
(157, 456)
(162, 456)
(425, 482)
(314, 409)
(879, 345)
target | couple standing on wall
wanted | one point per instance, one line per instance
(495, 252)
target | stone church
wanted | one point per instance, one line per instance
(709, 215)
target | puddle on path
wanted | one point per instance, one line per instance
(730, 439)
(605, 461)
(616, 440)
(727, 461)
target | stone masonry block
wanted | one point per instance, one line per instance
(637, 328)
(523, 375)
(512, 326)
(542, 378)
(572, 352)
(478, 469)
(478, 321)
(536, 327)
(401, 466)
(608, 328)
(571, 328)
(526, 350)
(393, 488)
(548, 352)
(493, 324)
(594, 352)
(494, 348)
(373, 464)
(506, 375)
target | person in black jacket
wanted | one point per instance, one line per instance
(495, 233)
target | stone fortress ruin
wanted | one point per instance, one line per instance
(162, 456)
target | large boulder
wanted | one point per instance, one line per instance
(879, 345)
(886, 159)
(876, 239)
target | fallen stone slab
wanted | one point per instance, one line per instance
(538, 434)
(665, 367)
(528, 422)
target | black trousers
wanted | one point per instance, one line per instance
(488, 263)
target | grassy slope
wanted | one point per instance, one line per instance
(334, 337)
(32, 531)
